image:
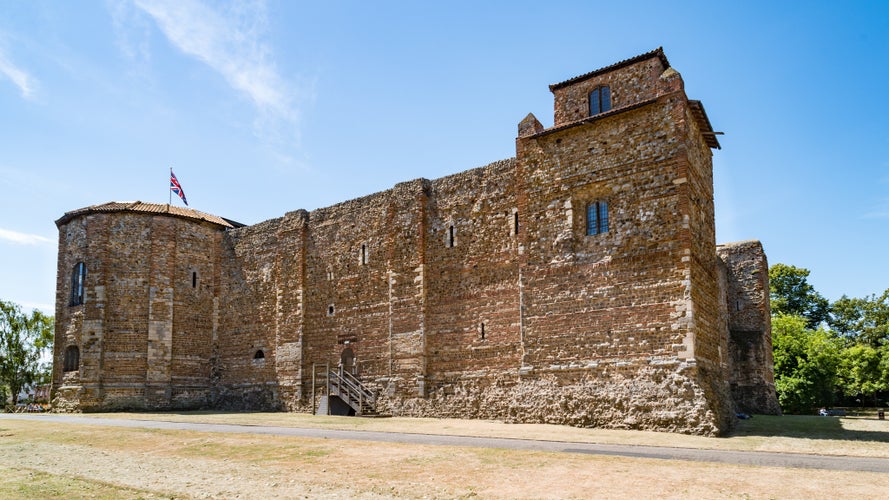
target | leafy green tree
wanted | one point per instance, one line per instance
(806, 362)
(791, 294)
(862, 320)
(23, 340)
(861, 371)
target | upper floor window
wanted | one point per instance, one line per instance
(597, 218)
(78, 278)
(600, 100)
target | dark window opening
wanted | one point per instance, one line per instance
(482, 331)
(194, 279)
(600, 100)
(259, 354)
(451, 236)
(78, 278)
(72, 358)
(597, 218)
(363, 254)
(330, 310)
(515, 223)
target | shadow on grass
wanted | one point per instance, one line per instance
(807, 427)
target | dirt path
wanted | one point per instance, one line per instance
(756, 458)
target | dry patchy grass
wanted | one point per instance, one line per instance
(134, 463)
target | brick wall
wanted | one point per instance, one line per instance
(477, 295)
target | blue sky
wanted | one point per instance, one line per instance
(264, 107)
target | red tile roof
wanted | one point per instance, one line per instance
(150, 208)
(658, 52)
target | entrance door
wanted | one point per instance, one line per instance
(347, 360)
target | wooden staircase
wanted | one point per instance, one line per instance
(348, 389)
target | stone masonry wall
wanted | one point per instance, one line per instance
(477, 295)
(145, 326)
(752, 375)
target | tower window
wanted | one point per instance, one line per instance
(451, 236)
(515, 223)
(482, 331)
(362, 258)
(72, 358)
(78, 278)
(330, 310)
(194, 279)
(600, 100)
(259, 354)
(597, 218)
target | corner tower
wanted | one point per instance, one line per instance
(135, 307)
(620, 269)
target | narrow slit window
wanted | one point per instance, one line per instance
(78, 278)
(451, 236)
(363, 254)
(515, 223)
(597, 218)
(194, 279)
(600, 100)
(482, 331)
(331, 310)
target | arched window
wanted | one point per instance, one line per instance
(72, 358)
(600, 100)
(259, 354)
(78, 278)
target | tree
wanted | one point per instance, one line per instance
(806, 362)
(791, 294)
(23, 340)
(861, 371)
(862, 320)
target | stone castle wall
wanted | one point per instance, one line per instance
(477, 295)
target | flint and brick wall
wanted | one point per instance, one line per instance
(477, 295)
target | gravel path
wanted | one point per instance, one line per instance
(768, 459)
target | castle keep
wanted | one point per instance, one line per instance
(577, 283)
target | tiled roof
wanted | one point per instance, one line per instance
(149, 208)
(658, 52)
(697, 110)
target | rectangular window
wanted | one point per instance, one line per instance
(597, 218)
(595, 107)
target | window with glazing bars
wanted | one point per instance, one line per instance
(600, 100)
(597, 218)
(78, 277)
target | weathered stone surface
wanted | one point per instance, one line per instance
(477, 295)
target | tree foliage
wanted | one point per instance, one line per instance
(862, 320)
(791, 294)
(806, 362)
(23, 340)
(826, 351)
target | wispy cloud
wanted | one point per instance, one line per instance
(23, 238)
(231, 42)
(19, 77)
(880, 211)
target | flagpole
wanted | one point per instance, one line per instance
(168, 187)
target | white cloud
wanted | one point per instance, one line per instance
(231, 43)
(19, 77)
(23, 238)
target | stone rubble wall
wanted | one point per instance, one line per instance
(476, 295)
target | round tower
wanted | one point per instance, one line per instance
(136, 292)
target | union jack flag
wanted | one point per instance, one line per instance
(176, 188)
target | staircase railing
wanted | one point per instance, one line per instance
(347, 387)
